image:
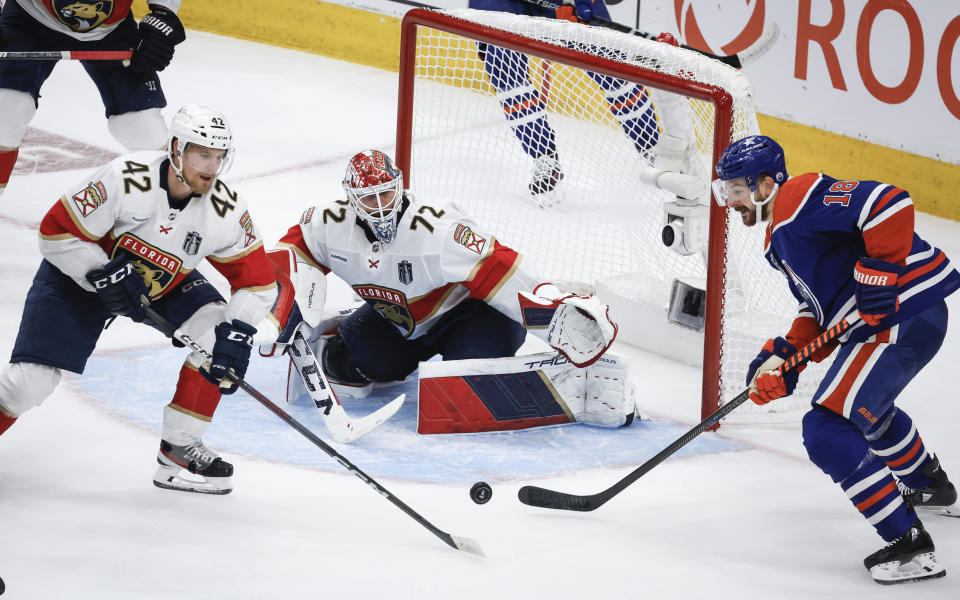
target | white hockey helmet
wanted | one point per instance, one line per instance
(374, 186)
(202, 126)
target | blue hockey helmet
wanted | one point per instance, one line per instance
(749, 158)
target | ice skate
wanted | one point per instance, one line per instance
(192, 468)
(939, 497)
(546, 174)
(908, 558)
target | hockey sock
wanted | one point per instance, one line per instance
(8, 159)
(195, 396)
(5, 422)
(897, 442)
(839, 448)
(631, 107)
(520, 99)
(873, 491)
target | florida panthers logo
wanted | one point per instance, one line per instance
(389, 303)
(82, 15)
(159, 269)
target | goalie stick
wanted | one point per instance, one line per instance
(455, 542)
(544, 498)
(341, 426)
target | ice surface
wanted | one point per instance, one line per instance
(739, 514)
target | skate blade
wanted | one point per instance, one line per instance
(943, 511)
(181, 480)
(923, 566)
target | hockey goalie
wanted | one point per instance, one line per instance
(432, 284)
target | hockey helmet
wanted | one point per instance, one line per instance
(201, 126)
(749, 158)
(374, 186)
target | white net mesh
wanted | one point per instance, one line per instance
(489, 123)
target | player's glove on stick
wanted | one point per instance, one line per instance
(160, 31)
(579, 327)
(576, 11)
(120, 288)
(878, 294)
(231, 353)
(765, 382)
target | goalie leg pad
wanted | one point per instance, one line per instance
(477, 395)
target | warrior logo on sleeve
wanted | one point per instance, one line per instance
(158, 268)
(389, 303)
(82, 15)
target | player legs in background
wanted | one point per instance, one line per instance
(871, 448)
(132, 98)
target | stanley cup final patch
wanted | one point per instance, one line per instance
(191, 244)
(405, 272)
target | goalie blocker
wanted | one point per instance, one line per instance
(520, 392)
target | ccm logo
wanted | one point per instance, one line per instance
(867, 279)
(236, 336)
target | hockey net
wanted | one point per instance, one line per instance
(602, 224)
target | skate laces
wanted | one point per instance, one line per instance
(199, 453)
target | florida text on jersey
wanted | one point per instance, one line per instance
(124, 208)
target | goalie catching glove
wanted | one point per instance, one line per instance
(579, 327)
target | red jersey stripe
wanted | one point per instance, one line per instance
(908, 456)
(880, 495)
(494, 271)
(930, 266)
(59, 221)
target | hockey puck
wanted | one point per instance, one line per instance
(481, 492)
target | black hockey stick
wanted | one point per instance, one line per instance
(455, 542)
(747, 55)
(544, 498)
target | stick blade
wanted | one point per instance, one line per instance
(532, 495)
(345, 429)
(467, 545)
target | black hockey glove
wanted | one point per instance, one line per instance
(231, 352)
(120, 288)
(160, 31)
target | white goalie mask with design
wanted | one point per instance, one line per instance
(374, 186)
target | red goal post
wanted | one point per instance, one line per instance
(438, 57)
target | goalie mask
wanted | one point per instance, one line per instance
(374, 186)
(204, 141)
(749, 159)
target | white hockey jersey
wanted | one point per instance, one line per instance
(84, 20)
(438, 259)
(124, 207)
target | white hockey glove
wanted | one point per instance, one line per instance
(579, 327)
(299, 305)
